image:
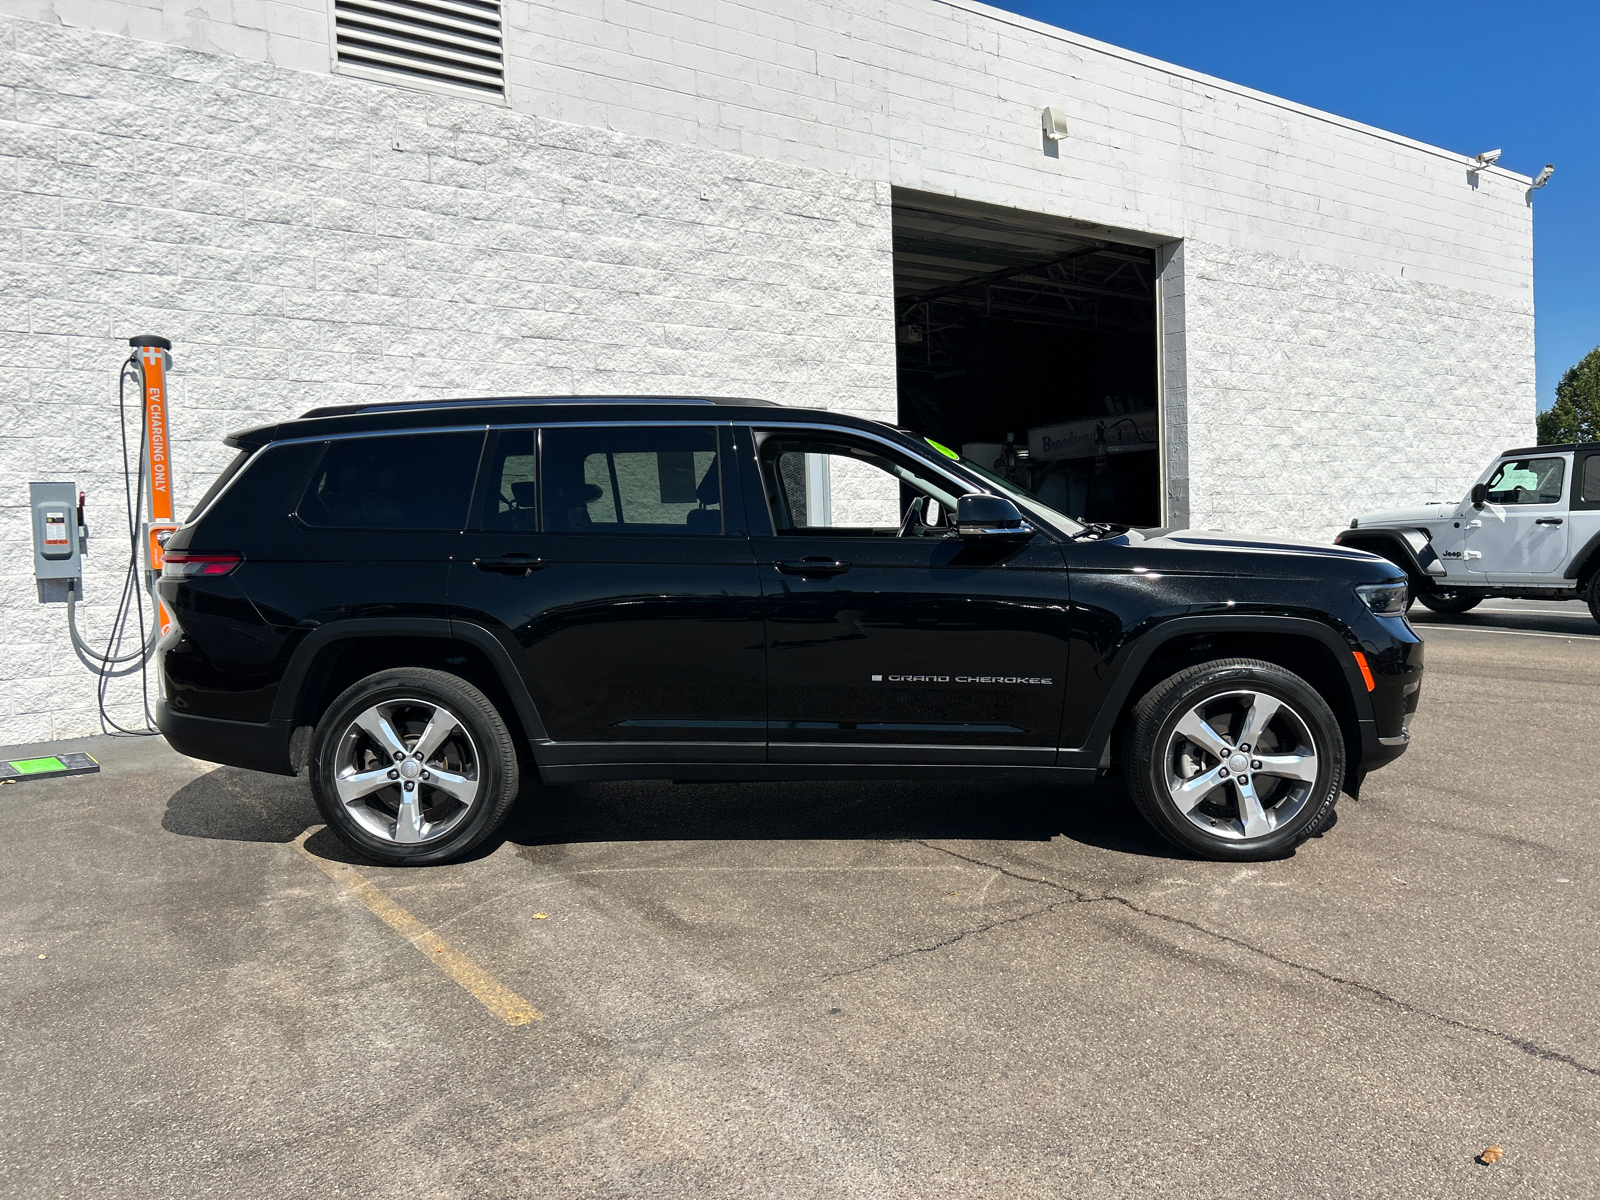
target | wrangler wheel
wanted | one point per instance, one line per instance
(412, 766)
(1235, 759)
(1448, 602)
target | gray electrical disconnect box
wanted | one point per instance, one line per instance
(57, 549)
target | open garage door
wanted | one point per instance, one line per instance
(1030, 343)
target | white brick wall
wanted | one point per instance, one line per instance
(1315, 393)
(260, 219)
(692, 195)
(944, 96)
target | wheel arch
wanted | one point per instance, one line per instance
(1308, 648)
(1409, 549)
(1585, 562)
(336, 654)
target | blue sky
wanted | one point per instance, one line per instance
(1468, 76)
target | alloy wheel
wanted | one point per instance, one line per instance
(406, 771)
(1241, 764)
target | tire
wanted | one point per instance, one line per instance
(1440, 603)
(1592, 595)
(369, 745)
(1214, 702)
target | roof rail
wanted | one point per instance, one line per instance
(343, 410)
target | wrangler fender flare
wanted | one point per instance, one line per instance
(1409, 549)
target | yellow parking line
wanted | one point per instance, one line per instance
(490, 992)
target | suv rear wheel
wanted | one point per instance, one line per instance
(1235, 760)
(412, 766)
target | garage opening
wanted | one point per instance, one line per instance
(1029, 343)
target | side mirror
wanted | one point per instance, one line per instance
(1480, 493)
(991, 519)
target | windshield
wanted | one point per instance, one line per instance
(1024, 499)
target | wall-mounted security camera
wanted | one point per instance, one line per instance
(1543, 177)
(1487, 159)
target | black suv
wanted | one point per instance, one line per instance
(424, 602)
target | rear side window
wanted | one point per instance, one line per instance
(252, 513)
(1591, 479)
(395, 481)
(642, 481)
(221, 481)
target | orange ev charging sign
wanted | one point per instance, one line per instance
(153, 360)
(158, 457)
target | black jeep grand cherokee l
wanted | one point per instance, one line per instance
(423, 602)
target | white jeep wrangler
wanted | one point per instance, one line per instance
(1529, 529)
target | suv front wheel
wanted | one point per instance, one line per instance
(412, 766)
(1235, 760)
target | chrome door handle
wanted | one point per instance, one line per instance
(1548, 521)
(510, 564)
(813, 566)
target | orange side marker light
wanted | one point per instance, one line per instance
(1366, 671)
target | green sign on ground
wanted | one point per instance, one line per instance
(35, 766)
(17, 769)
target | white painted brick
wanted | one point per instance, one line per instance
(694, 197)
(297, 260)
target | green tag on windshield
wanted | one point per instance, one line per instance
(944, 450)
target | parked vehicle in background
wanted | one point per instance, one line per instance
(423, 603)
(1529, 529)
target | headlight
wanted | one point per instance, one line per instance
(1385, 599)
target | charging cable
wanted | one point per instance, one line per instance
(115, 662)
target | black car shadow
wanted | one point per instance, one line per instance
(232, 804)
(1099, 815)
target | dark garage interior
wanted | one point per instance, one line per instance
(1029, 344)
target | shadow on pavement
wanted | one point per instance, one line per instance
(1576, 622)
(235, 805)
(231, 804)
(1099, 815)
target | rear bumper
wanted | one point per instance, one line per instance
(256, 747)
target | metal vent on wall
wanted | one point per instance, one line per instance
(456, 42)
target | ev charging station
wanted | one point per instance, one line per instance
(61, 542)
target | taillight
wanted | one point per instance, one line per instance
(175, 564)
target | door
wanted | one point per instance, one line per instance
(1583, 517)
(1520, 533)
(889, 638)
(374, 521)
(610, 562)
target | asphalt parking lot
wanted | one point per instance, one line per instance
(822, 990)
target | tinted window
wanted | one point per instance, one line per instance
(221, 481)
(1591, 479)
(510, 482)
(611, 480)
(398, 481)
(1528, 481)
(847, 487)
(258, 504)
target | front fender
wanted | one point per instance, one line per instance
(1409, 549)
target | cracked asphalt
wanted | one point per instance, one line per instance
(827, 990)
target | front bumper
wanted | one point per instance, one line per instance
(1397, 666)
